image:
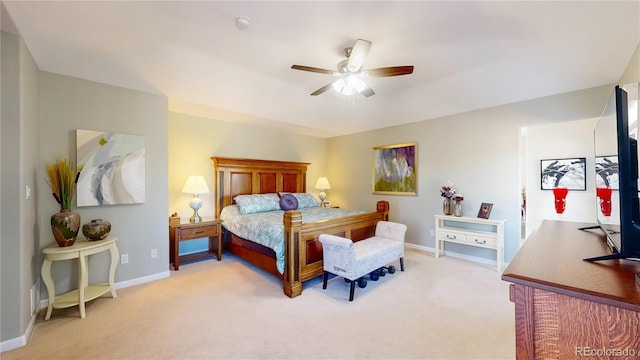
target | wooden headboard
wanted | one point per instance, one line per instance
(249, 176)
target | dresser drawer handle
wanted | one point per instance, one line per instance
(451, 237)
(199, 232)
(481, 242)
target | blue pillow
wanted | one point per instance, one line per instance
(255, 203)
(288, 202)
(305, 200)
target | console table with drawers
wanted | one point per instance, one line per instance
(484, 233)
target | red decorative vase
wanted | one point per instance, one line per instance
(65, 225)
(604, 194)
(560, 195)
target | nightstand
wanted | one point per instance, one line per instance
(188, 231)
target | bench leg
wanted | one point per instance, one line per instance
(401, 264)
(325, 277)
(352, 289)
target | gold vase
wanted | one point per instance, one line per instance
(65, 225)
(446, 206)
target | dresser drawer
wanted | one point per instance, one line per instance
(482, 241)
(192, 233)
(451, 236)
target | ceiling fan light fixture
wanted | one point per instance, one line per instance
(349, 84)
(342, 87)
(355, 82)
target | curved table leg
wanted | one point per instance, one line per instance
(82, 283)
(112, 269)
(45, 272)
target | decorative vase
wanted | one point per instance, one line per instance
(446, 206)
(560, 199)
(457, 208)
(65, 225)
(97, 229)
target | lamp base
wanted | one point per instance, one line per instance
(196, 203)
(195, 218)
(322, 196)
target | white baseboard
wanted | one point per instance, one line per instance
(143, 280)
(20, 340)
(476, 259)
(43, 304)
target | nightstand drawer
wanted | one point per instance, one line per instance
(198, 232)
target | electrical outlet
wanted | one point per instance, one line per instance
(124, 259)
(432, 233)
(154, 253)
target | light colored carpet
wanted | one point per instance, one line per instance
(443, 308)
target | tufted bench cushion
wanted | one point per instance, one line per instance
(352, 261)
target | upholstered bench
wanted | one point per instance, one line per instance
(352, 261)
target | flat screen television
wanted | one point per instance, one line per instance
(616, 172)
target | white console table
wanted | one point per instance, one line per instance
(80, 250)
(485, 233)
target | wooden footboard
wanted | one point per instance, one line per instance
(303, 251)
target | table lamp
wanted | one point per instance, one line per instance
(322, 184)
(195, 185)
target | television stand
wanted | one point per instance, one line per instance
(589, 227)
(563, 304)
(607, 257)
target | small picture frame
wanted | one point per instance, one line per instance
(485, 210)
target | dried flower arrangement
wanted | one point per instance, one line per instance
(62, 181)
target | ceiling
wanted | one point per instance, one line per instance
(467, 55)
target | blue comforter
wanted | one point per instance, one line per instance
(266, 228)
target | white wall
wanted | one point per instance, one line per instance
(479, 151)
(193, 140)
(557, 141)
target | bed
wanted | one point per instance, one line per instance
(302, 251)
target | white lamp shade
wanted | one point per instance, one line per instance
(195, 185)
(322, 184)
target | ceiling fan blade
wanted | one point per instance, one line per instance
(322, 89)
(358, 55)
(391, 71)
(367, 91)
(312, 69)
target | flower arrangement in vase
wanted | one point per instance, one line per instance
(62, 179)
(447, 191)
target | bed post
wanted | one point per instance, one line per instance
(383, 207)
(292, 225)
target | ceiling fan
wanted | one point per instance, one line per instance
(351, 72)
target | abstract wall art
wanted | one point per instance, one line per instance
(565, 173)
(607, 172)
(111, 168)
(395, 169)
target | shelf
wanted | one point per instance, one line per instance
(197, 256)
(71, 298)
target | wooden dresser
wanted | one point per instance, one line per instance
(567, 308)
